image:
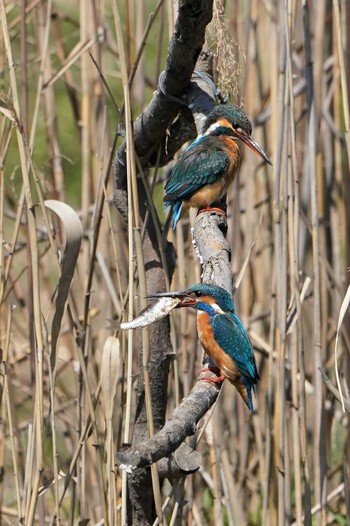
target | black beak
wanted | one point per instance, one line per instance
(253, 145)
(187, 298)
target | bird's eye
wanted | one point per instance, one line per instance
(198, 294)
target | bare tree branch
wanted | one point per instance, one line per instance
(214, 254)
(155, 130)
(151, 127)
(334, 390)
(213, 250)
(181, 425)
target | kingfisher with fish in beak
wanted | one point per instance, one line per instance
(222, 335)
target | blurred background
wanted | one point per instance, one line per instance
(287, 63)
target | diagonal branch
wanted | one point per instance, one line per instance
(157, 135)
(181, 425)
(214, 254)
(151, 127)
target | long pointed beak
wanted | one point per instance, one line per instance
(185, 297)
(253, 145)
(176, 294)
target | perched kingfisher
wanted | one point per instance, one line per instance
(205, 170)
(222, 335)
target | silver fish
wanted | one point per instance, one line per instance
(154, 312)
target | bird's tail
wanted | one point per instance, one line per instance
(176, 211)
(245, 390)
(249, 401)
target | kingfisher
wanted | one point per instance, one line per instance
(205, 170)
(222, 336)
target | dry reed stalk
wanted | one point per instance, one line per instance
(111, 368)
(319, 448)
(24, 70)
(9, 417)
(85, 12)
(86, 18)
(143, 295)
(22, 147)
(271, 235)
(214, 462)
(50, 109)
(135, 237)
(293, 241)
(129, 362)
(233, 502)
(181, 285)
(280, 284)
(343, 78)
(141, 46)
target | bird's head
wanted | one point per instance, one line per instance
(228, 119)
(201, 294)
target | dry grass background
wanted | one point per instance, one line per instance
(287, 464)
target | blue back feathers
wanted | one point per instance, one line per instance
(229, 333)
(204, 161)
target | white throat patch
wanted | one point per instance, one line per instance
(217, 309)
(211, 128)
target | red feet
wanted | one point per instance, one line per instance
(211, 209)
(213, 370)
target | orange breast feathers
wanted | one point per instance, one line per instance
(232, 149)
(212, 348)
(208, 194)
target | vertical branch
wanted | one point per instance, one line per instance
(280, 237)
(343, 75)
(346, 183)
(130, 223)
(85, 20)
(34, 261)
(24, 68)
(319, 436)
(276, 52)
(297, 362)
(149, 133)
(293, 216)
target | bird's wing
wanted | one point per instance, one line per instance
(202, 163)
(234, 341)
